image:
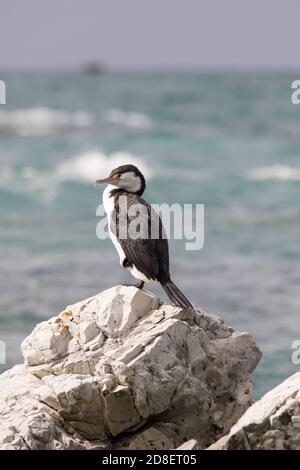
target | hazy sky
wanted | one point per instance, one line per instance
(150, 33)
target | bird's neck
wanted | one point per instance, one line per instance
(108, 191)
(108, 200)
(110, 194)
(112, 191)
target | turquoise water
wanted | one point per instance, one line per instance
(229, 141)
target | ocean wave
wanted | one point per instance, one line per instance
(41, 121)
(128, 118)
(84, 168)
(89, 166)
(275, 173)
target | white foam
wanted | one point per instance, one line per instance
(85, 167)
(276, 173)
(41, 121)
(89, 166)
(128, 118)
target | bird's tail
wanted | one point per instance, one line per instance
(175, 295)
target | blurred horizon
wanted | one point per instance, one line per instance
(137, 70)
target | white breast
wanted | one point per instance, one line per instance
(108, 202)
(137, 274)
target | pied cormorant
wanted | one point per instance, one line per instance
(147, 258)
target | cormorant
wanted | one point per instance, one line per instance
(147, 258)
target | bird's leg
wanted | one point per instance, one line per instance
(138, 285)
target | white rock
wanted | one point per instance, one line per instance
(270, 423)
(88, 331)
(117, 309)
(110, 365)
(46, 343)
(192, 444)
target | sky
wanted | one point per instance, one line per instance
(150, 34)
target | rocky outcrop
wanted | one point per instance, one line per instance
(123, 370)
(272, 423)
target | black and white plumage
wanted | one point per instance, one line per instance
(147, 259)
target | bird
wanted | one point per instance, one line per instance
(146, 258)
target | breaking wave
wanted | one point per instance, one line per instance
(275, 173)
(89, 166)
(128, 118)
(41, 121)
(85, 168)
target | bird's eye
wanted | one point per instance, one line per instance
(116, 176)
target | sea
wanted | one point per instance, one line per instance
(228, 140)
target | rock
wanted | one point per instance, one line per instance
(122, 370)
(158, 436)
(272, 423)
(26, 421)
(192, 444)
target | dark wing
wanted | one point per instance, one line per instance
(149, 252)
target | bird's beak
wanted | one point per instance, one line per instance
(104, 181)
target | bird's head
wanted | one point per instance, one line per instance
(126, 177)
